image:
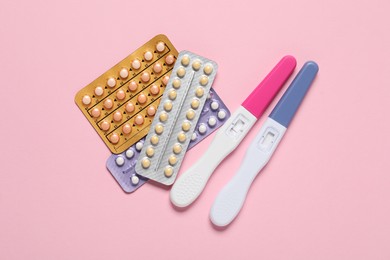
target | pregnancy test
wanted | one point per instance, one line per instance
(189, 186)
(231, 199)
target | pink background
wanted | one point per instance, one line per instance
(324, 195)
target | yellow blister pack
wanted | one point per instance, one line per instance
(122, 102)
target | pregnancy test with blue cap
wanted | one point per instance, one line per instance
(231, 199)
(189, 186)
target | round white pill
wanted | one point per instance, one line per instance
(136, 64)
(139, 146)
(148, 56)
(86, 100)
(124, 73)
(111, 82)
(202, 128)
(160, 46)
(99, 91)
(129, 153)
(214, 105)
(221, 114)
(194, 136)
(119, 161)
(134, 180)
(212, 121)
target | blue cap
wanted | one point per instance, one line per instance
(288, 105)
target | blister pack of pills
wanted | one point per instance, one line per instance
(122, 102)
(176, 117)
(122, 166)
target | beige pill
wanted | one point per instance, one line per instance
(176, 83)
(126, 129)
(133, 86)
(117, 116)
(163, 117)
(142, 98)
(111, 82)
(120, 94)
(181, 137)
(151, 111)
(86, 100)
(185, 60)
(145, 77)
(95, 112)
(186, 126)
(181, 72)
(196, 65)
(168, 171)
(157, 68)
(208, 69)
(165, 80)
(108, 104)
(168, 106)
(154, 140)
(177, 148)
(195, 103)
(145, 163)
(172, 160)
(136, 64)
(199, 92)
(160, 46)
(190, 114)
(170, 59)
(124, 73)
(172, 94)
(114, 138)
(158, 129)
(154, 89)
(139, 120)
(203, 80)
(148, 56)
(129, 107)
(150, 151)
(99, 91)
(105, 125)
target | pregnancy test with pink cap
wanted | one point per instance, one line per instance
(189, 186)
(231, 199)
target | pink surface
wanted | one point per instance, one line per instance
(324, 195)
(261, 96)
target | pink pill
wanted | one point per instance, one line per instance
(126, 129)
(154, 89)
(114, 138)
(141, 98)
(105, 125)
(139, 120)
(117, 116)
(133, 86)
(95, 112)
(165, 80)
(170, 59)
(151, 111)
(108, 104)
(120, 94)
(129, 107)
(157, 68)
(145, 77)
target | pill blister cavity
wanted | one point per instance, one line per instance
(148, 56)
(150, 152)
(139, 146)
(111, 82)
(151, 111)
(154, 140)
(208, 69)
(195, 103)
(99, 91)
(199, 92)
(165, 80)
(186, 126)
(180, 72)
(129, 107)
(129, 153)
(154, 89)
(221, 114)
(105, 126)
(214, 105)
(212, 121)
(108, 103)
(126, 129)
(86, 100)
(177, 149)
(120, 94)
(190, 114)
(142, 98)
(176, 83)
(117, 116)
(202, 128)
(134, 180)
(160, 46)
(124, 73)
(170, 59)
(95, 112)
(172, 160)
(168, 171)
(181, 137)
(196, 64)
(136, 64)
(145, 77)
(114, 138)
(157, 68)
(159, 129)
(139, 120)
(185, 60)
(194, 136)
(163, 117)
(133, 86)
(168, 105)
(145, 163)
(204, 80)
(172, 94)
(120, 161)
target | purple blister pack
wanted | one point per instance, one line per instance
(122, 166)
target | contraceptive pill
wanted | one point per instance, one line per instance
(125, 173)
(121, 103)
(178, 112)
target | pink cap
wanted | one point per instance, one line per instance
(265, 92)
